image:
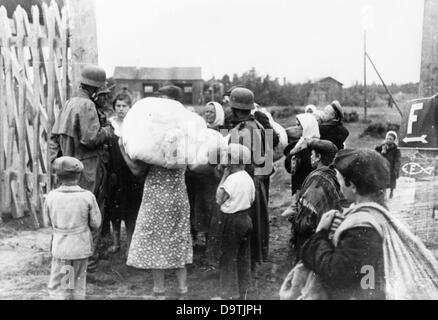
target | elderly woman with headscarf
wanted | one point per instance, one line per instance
(214, 115)
(389, 149)
(201, 187)
(366, 253)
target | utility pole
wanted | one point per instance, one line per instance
(212, 88)
(83, 36)
(365, 75)
(429, 53)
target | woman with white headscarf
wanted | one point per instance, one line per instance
(214, 115)
(201, 188)
(298, 156)
(389, 149)
(310, 130)
(310, 109)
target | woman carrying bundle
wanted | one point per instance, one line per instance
(162, 239)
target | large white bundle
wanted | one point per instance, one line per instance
(162, 132)
(211, 151)
(212, 148)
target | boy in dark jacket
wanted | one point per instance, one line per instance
(320, 191)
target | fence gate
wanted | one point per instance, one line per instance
(34, 84)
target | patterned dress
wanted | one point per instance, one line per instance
(162, 237)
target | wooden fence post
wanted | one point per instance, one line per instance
(83, 36)
(34, 82)
(2, 137)
(21, 196)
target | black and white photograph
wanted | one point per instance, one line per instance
(240, 151)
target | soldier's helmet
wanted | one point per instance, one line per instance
(242, 99)
(93, 76)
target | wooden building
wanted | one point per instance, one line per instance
(144, 82)
(325, 90)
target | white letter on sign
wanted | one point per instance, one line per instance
(412, 116)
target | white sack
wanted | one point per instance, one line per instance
(162, 132)
(212, 151)
(212, 148)
(282, 135)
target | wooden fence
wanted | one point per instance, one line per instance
(35, 70)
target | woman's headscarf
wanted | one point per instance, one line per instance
(310, 125)
(394, 134)
(309, 108)
(310, 131)
(220, 114)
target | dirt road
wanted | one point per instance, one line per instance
(25, 259)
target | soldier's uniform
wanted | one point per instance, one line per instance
(249, 132)
(78, 133)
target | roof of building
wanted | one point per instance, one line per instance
(176, 73)
(327, 78)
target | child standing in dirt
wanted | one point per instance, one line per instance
(235, 195)
(73, 214)
(389, 149)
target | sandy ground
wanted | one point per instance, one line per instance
(25, 258)
(25, 263)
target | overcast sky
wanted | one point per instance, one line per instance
(296, 39)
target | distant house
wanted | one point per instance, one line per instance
(144, 82)
(325, 90)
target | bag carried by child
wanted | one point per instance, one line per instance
(411, 270)
(302, 284)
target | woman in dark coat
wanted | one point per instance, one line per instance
(201, 188)
(389, 149)
(124, 189)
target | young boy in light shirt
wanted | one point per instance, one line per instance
(235, 195)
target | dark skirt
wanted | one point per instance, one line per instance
(204, 211)
(260, 219)
(124, 191)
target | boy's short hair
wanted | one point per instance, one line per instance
(239, 154)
